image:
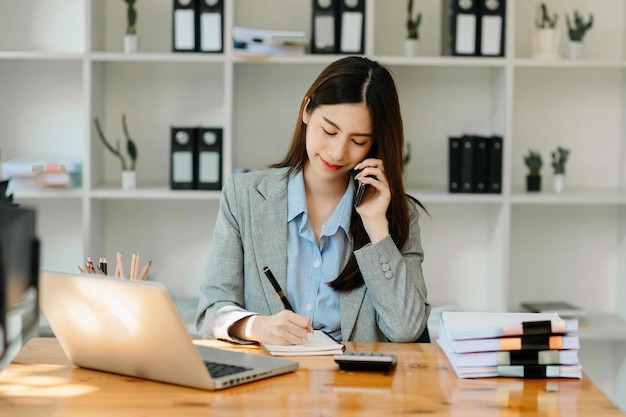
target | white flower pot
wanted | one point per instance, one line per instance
(559, 183)
(411, 47)
(576, 50)
(129, 180)
(131, 44)
(546, 43)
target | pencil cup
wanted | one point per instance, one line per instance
(129, 180)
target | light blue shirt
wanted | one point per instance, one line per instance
(310, 268)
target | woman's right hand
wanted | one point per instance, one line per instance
(284, 328)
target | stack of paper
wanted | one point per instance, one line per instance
(527, 345)
(249, 41)
(28, 173)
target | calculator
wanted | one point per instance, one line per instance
(366, 361)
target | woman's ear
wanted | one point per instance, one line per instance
(305, 112)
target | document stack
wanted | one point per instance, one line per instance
(28, 173)
(524, 345)
(249, 41)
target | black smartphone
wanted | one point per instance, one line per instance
(359, 194)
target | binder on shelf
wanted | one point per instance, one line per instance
(184, 26)
(461, 27)
(454, 164)
(210, 36)
(482, 150)
(492, 27)
(183, 158)
(467, 164)
(495, 166)
(209, 151)
(324, 24)
(351, 18)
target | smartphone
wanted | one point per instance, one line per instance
(359, 194)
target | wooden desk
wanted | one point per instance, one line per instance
(41, 382)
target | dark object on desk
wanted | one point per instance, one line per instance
(366, 361)
(324, 27)
(19, 273)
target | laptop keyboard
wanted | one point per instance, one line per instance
(217, 369)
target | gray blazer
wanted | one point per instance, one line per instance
(251, 233)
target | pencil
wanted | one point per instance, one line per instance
(145, 270)
(119, 268)
(133, 262)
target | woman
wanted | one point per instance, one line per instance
(354, 273)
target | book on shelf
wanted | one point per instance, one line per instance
(269, 37)
(316, 343)
(253, 49)
(31, 173)
(562, 308)
(262, 42)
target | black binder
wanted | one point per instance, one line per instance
(209, 151)
(467, 164)
(324, 27)
(454, 164)
(495, 165)
(460, 27)
(210, 26)
(351, 30)
(492, 27)
(183, 158)
(482, 150)
(184, 20)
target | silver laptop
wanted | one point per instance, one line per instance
(133, 328)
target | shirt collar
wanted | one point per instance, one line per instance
(297, 205)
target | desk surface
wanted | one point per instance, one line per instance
(41, 382)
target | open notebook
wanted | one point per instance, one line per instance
(317, 343)
(133, 328)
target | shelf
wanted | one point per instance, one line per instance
(482, 251)
(152, 193)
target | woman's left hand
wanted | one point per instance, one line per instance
(373, 207)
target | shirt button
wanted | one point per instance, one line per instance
(383, 259)
(316, 264)
(385, 267)
(389, 274)
(309, 307)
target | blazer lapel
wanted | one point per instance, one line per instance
(268, 208)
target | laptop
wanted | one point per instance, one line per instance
(134, 328)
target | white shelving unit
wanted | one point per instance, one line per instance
(61, 65)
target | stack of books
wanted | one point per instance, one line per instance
(250, 41)
(525, 345)
(31, 173)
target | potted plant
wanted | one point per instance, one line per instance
(129, 175)
(411, 43)
(576, 30)
(131, 39)
(533, 179)
(546, 39)
(559, 158)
